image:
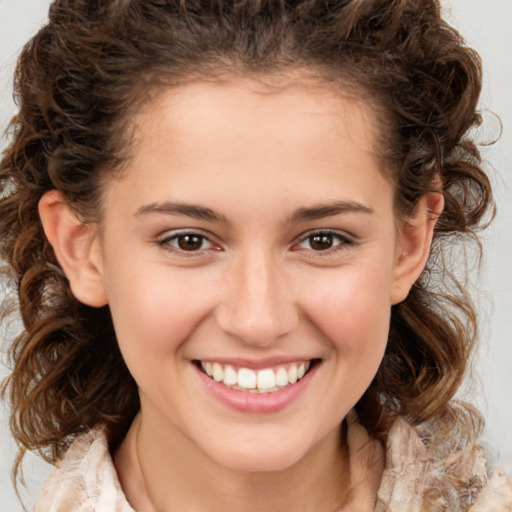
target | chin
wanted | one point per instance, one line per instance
(257, 456)
(261, 463)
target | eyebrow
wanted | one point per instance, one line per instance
(329, 210)
(190, 210)
(302, 214)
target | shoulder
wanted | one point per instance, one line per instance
(422, 470)
(84, 480)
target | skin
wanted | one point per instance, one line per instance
(264, 161)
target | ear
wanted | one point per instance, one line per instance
(413, 245)
(76, 246)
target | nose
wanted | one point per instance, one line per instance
(257, 305)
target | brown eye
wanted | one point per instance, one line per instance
(190, 242)
(324, 241)
(186, 242)
(321, 242)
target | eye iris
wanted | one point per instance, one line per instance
(190, 242)
(321, 242)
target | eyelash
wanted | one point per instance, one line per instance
(166, 242)
(343, 242)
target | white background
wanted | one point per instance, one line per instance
(486, 26)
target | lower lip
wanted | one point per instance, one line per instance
(248, 402)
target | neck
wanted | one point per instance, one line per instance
(162, 472)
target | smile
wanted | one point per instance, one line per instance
(265, 380)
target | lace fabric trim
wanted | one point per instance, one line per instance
(85, 480)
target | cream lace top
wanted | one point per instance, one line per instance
(85, 480)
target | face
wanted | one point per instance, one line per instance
(250, 256)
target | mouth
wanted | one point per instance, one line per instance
(263, 380)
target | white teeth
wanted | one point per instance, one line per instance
(230, 376)
(263, 381)
(218, 372)
(266, 379)
(281, 377)
(292, 374)
(207, 367)
(246, 378)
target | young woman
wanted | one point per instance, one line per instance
(226, 222)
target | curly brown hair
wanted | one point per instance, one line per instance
(85, 74)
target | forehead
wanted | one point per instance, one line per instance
(196, 140)
(279, 106)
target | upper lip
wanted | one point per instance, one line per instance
(256, 364)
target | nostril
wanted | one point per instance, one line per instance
(256, 305)
(258, 328)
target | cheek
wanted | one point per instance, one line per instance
(352, 311)
(155, 312)
(352, 304)
(353, 314)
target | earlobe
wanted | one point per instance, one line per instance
(76, 247)
(415, 240)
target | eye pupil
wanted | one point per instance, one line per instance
(190, 242)
(321, 242)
